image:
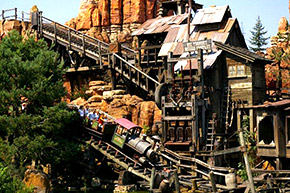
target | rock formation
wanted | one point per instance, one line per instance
(116, 18)
(119, 104)
(277, 73)
(38, 180)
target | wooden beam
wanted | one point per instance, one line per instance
(226, 151)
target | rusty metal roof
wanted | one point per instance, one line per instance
(126, 123)
(241, 52)
(159, 24)
(208, 61)
(210, 15)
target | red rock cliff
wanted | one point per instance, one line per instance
(109, 20)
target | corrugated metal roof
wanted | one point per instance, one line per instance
(159, 24)
(208, 61)
(210, 15)
(178, 33)
(126, 123)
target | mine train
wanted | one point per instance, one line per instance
(126, 136)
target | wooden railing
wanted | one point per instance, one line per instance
(92, 48)
(13, 14)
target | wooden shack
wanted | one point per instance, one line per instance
(234, 77)
(272, 121)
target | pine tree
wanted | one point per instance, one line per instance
(258, 39)
(31, 73)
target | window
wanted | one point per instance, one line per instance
(237, 70)
(266, 131)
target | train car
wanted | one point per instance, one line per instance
(128, 133)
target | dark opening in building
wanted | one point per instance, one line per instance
(266, 130)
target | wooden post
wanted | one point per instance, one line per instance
(15, 13)
(40, 24)
(251, 120)
(177, 186)
(212, 181)
(244, 151)
(55, 33)
(113, 72)
(200, 74)
(100, 54)
(22, 16)
(69, 38)
(152, 178)
(83, 41)
(164, 125)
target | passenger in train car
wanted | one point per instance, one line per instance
(81, 112)
(92, 116)
(86, 111)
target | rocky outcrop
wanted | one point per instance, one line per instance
(119, 104)
(112, 20)
(277, 73)
(38, 180)
(8, 25)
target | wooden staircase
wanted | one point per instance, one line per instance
(98, 51)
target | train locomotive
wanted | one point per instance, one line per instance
(127, 135)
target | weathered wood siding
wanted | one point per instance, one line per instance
(259, 83)
(241, 86)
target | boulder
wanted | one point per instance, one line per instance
(283, 24)
(38, 180)
(130, 100)
(116, 103)
(95, 98)
(105, 36)
(79, 101)
(95, 105)
(71, 23)
(97, 83)
(146, 113)
(90, 93)
(100, 89)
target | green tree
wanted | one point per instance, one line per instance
(31, 73)
(258, 39)
(9, 184)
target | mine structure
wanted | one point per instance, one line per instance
(206, 82)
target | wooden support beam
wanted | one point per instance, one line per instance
(226, 151)
(246, 158)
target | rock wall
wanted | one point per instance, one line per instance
(119, 104)
(116, 18)
(9, 25)
(277, 73)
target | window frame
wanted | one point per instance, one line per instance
(235, 74)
